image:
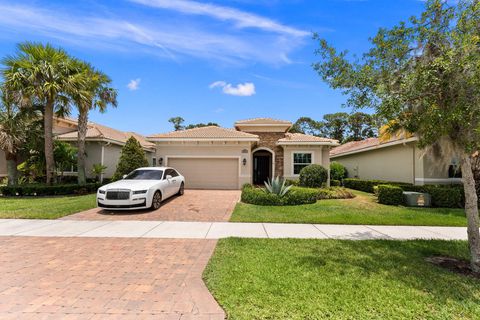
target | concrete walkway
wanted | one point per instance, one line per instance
(218, 230)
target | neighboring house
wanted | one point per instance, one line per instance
(60, 126)
(257, 149)
(398, 159)
(104, 146)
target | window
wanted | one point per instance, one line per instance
(171, 172)
(154, 162)
(145, 175)
(300, 161)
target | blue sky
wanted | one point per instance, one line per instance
(216, 61)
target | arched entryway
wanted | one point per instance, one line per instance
(262, 165)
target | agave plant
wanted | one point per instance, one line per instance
(277, 186)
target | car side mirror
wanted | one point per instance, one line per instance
(124, 176)
(168, 177)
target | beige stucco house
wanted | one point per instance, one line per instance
(398, 159)
(104, 146)
(252, 152)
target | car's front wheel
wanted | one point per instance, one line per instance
(157, 200)
(181, 190)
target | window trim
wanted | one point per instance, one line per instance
(312, 155)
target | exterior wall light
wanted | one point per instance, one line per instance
(244, 161)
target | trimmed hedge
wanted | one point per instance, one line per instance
(335, 183)
(337, 171)
(443, 196)
(391, 195)
(368, 185)
(46, 190)
(313, 176)
(296, 196)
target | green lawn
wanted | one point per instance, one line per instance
(339, 279)
(44, 207)
(363, 209)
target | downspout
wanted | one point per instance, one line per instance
(102, 158)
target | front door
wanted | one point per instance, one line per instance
(261, 170)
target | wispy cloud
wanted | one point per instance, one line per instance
(219, 110)
(134, 84)
(246, 89)
(241, 19)
(270, 43)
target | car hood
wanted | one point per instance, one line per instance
(131, 184)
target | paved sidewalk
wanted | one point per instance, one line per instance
(218, 230)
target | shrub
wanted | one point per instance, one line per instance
(313, 176)
(337, 171)
(334, 193)
(132, 157)
(290, 182)
(368, 185)
(47, 190)
(335, 183)
(296, 196)
(391, 195)
(277, 186)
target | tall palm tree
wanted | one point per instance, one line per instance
(14, 129)
(95, 94)
(43, 75)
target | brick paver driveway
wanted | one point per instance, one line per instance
(104, 278)
(194, 205)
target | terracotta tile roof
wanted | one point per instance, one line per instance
(98, 131)
(299, 137)
(210, 132)
(263, 121)
(358, 146)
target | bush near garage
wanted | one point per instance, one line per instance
(335, 183)
(313, 176)
(295, 196)
(390, 195)
(368, 185)
(48, 190)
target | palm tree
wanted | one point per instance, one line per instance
(44, 75)
(95, 94)
(14, 128)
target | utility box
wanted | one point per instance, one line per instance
(417, 199)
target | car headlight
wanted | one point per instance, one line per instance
(101, 191)
(140, 191)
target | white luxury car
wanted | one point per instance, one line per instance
(142, 188)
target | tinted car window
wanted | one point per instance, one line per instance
(173, 173)
(145, 175)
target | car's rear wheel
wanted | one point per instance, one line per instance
(157, 200)
(181, 190)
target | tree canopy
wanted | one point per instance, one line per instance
(422, 76)
(131, 158)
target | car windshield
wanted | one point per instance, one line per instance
(145, 175)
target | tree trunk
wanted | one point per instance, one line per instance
(82, 133)
(11, 168)
(48, 131)
(471, 211)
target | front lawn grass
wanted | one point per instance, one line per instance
(44, 207)
(340, 279)
(363, 209)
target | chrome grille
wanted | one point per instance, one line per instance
(118, 195)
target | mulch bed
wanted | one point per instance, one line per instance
(454, 265)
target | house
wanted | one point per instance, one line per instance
(103, 145)
(60, 126)
(252, 152)
(396, 159)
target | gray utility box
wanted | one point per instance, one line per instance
(417, 199)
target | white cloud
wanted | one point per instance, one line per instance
(219, 110)
(241, 19)
(170, 38)
(134, 84)
(246, 89)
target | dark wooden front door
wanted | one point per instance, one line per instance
(261, 168)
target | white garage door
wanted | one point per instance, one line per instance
(207, 173)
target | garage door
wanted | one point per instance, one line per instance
(207, 173)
